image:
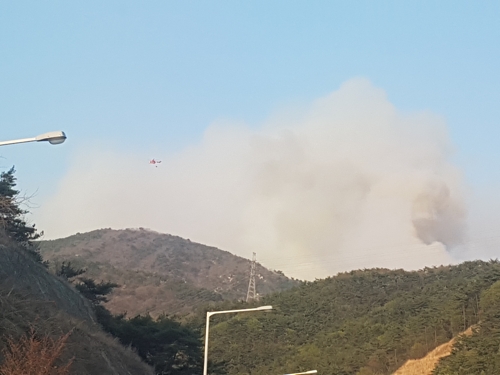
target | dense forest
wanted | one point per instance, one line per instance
(480, 352)
(363, 322)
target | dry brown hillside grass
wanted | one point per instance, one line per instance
(425, 365)
(34, 355)
(140, 292)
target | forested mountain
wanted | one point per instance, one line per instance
(362, 322)
(159, 272)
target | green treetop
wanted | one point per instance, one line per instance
(12, 221)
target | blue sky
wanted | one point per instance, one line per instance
(148, 78)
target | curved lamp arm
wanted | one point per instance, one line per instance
(210, 313)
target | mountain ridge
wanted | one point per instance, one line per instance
(159, 272)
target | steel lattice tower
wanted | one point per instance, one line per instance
(251, 294)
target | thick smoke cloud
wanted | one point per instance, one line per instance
(349, 182)
(436, 217)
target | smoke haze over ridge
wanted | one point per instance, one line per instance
(349, 182)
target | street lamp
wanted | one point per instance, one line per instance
(210, 313)
(53, 138)
(303, 373)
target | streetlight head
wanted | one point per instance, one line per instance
(265, 308)
(54, 138)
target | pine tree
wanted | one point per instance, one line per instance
(67, 271)
(12, 221)
(95, 292)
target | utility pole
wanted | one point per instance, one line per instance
(251, 294)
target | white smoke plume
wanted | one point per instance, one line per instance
(350, 182)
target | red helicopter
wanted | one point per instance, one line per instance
(154, 162)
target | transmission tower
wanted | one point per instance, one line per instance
(251, 294)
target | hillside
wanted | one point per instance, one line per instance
(32, 298)
(427, 364)
(478, 353)
(160, 272)
(358, 323)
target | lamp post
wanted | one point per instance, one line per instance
(305, 372)
(210, 313)
(53, 138)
